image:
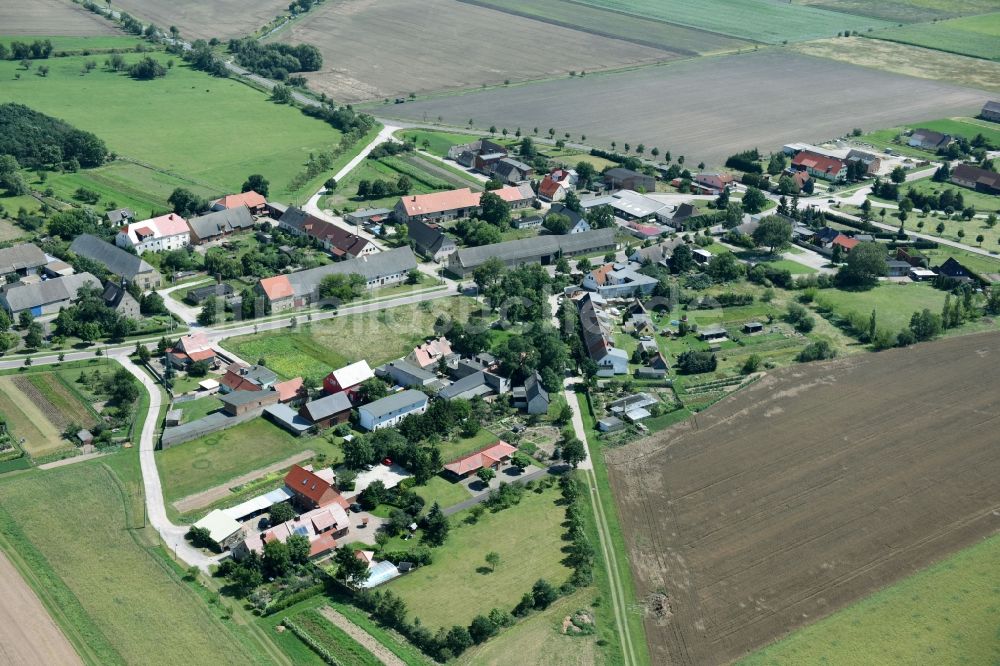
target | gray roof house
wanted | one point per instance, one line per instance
(197, 295)
(406, 374)
(120, 216)
(45, 297)
(391, 409)
(327, 408)
(542, 249)
(511, 171)
(430, 240)
(382, 268)
(532, 397)
(480, 383)
(118, 299)
(119, 262)
(23, 259)
(220, 223)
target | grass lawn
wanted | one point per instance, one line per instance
(444, 492)
(966, 127)
(8, 230)
(460, 446)
(945, 614)
(436, 143)
(793, 267)
(540, 635)
(316, 348)
(894, 304)
(976, 262)
(982, 202)
(458, 585)
(212, 460)
(115, 598)
(211, 132)
(198, 408)
(345, 196)
(976, 36)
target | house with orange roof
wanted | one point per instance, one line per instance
(257, 203)
(819, 166)
(556, 184)
(311, 490)
(292, 391)
(492, 457)
(339, 242)
(456, 204)
(279, 292)
(191, 349)
(322, 527)
(846, 243)
(157, 234)
(242, 377)
(429, 354)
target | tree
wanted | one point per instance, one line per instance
(925, 325)
(33, 340)
(359, 452)
(209, 312)
(777, 164)
(486, 474)
(601, 217)
(557, 223)
(458, 640)
(753, 201)
(543, 594)
(147, 69)
(494, 210)
(725, 267)
(371, 390)
(773, 232)
(373, 495)
(350, 569)
(521, 461)
(281, 94)
(298, 548)
(586, 174)
(185, 203)
(572, 451)
(435, 526)
(682, 260)
(342, 287)
(493, 559)
(695, 362)
(898, 175)
(256, 183)
(481, 629)
(281, 513)
(277, 562)
(865, 264)
(122, 387)
(488, 273)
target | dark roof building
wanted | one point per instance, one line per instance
(532, 397)
(21, 259)
(220, 223)
(118, 262)
(120, 217)
(542, 249)
(929, 139)
(991, 111)
(118, 299)
(627, 179)
(430, 239)
(333, 408)
(197, 295)
(480, 383)
(975, 178)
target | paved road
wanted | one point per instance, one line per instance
(578, 427)
(188, 314)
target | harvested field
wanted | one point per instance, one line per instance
(909, 60)
(27, 633)
(51, 17)
(807, 491)
(203, 20)
(438, 45)
(685, 106)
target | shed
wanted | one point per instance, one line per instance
(174, 417)
(752, 327)
(610, 424)
(85, 437)
(222, 529)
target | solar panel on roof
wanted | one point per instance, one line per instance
(303, 531)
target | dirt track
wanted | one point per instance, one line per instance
(28, 635)
(807, 491)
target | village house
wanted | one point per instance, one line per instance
(577, 222)
(618, 281)
(22, 260)
(119, 217)
(430, 240)
(456, 204)
(657, 254)
(991, 112)
(220, 224)
(953, 270)
(489, 457)
(191, 349)
(311, 490)
(430, 353)
(481, 384)
(544, 250)
(348, 378)
(255, 203)
(242, 377)
(390, 410)
(301, 288)
(45, 297)
(158, 234)
(714, 183)
(627, 179)
(118, 299)
(556, 184)
(368, 216)
(479, 155)
(340, 243)
(532, 397)
(321, 526)
(330, 410)
(975, 178)
(819, 166)
(598, 337)
(124, 264)
(929, 139)
(406, 374)
(683, 214)
(510, 171)
(872, 162)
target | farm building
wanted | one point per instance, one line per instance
(124, 264)
(752, 327)
(430, 240)
(238, 403)
(255, 203)
(918, 274)
(368, 216)
(392, 409)
(222, 529)
(477, 384)
(489, 457)
(347, 378)
(22, 260)
(610, 424)
(299, 289)
(929, 139)
(598, 337)
(527, 222)
(404, 373)
(543, 249)
(198, 295)
(242, 377)
(631, 206)
(701, 255)
(819, 166)
(898, 268)
(627, 179)
(157, 234)
(510, 171)
(340, 243)
(287, 418)
(975, 178)
(618, 281)
(991, 112)
(327, 411)
(220, 224)
(45, 297)
(532, 397)
(478, 154)
(712, 333)
(455, 204)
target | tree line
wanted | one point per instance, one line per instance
(37, 140)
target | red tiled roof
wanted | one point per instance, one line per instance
(600, 275)
(324, 543)
(303, 482)
(548, 187)
(817, 162)
(845, 242)
(436, 202)
(249, 199)
(203, 355)
(288, 390)
(484, 457)
(277, 287)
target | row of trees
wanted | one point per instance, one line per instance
(275, 60)
(36, 50)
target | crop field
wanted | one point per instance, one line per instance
(116, 600)
(27, 420)
(51, 17)
(459, 584)
(757, 20)
(909, 60)
(977, 36)
(169, 122)
(948, 610)
(635, 29)
(807, 491)
(215, 459)
(437, 45)
(315, 349)
(203, 20)
(671, 113)
(907, 11)
(60, 403)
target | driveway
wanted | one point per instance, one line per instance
(480, 493)
(390, 475)
(188, 314)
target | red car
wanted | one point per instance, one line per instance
(387, 461)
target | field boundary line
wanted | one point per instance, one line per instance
(363, 638)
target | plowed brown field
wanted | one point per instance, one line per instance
(807, 491)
